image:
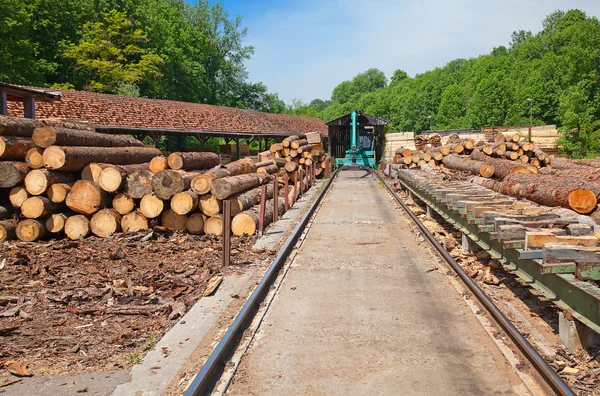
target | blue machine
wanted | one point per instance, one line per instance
(361, 151)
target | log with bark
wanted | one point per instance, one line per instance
(184, 202)
(123, 203)
(38, 181)
(239, 167)
(248, 199)
(561, 163)
(565, 192)
(17, 126)
(14, 148)
(92, 171)
(8, 230)
(58, 192)
(288, 140)
(56, 222)
(77, 227)
(86, 197)
(34, 158)
(209, 204)
(138, 183)
(226, 187)
(151, 206)
(247, 222)
(173, 221)
(17, 196)
(36, 207)
(112, 178)
(134, 222)
(70, 158)
(275, 147)
(46, 136)
(484, 169)
(502, 168)
(193, 160)
(195, 224)
(158, 164)
(298, 143)
(270, 169)
(105, 222)
(201, 183)
(170, 182)
(12, 173)
(31, 230)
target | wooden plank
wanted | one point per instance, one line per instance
(537, 240)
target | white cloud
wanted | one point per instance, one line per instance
(306, 51)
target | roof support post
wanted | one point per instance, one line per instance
(201, 139)
(3, 103)
(30, 107)
(237, 147)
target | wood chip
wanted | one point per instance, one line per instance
(213, 284)
(570, 371)
(18, 369)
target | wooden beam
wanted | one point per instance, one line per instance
(3, 103)
(237, 147)
(30, 107)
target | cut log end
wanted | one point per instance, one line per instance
(151, 206)
(158, 164)
(174, 221)
(487, 170)
(7, 230)
(195, 224)
(56, 223)
(54, 157)
(58, 192)
(105, 222)
(17, 196)
(134, 222)
(184, 202)
(34, 158)
(30, 230)
(213, 226)
(582, 201)
(77, 227)
(123, 203)
(243, 224)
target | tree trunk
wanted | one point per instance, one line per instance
(134, 222)
(31, 230)
(77, 227)
(297, 143)
(184, 202)
(34, 158)
(105, 222)
(36, 207)
(195, 224)
(214, 225)
(7, 230)
(17, 196)
(304, 148)
(158, 164)
(276, 147)
(247, 222)
(561, 163)
(14, 148)
(202, 182)
(240, 167)
(56, 223)
(226, 187)
(139, 183)
(123, 203)
(58, 192)
(151, 206)
(86, 197)
(170, 182)
(17, 126)
(511, 155)
(192, 160)
(92, 171)
(247, 199)
(46, 136)
(76, 158)
(173, 221)
(288, 140)
(502, 168)
(112, 177)
(38, 181)
(468, 165)
(209, 204)
(265, 163)
(268, 169)
(12, 173)
(291, 166)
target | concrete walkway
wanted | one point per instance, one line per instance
(359, 313)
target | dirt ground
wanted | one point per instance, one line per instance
(503, 287)
(99, 304)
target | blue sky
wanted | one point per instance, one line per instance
(304, 48)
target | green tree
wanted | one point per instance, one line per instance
(109, 53)
(452, 110)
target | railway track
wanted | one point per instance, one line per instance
(205, 381)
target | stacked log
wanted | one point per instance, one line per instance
(297, 153)
(65, 179)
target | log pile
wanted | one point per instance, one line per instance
(295, 153)
(65, 179)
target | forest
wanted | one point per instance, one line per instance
(171, 49)
(557, 68)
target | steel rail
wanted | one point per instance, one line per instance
(539, 363)
(204, 382)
